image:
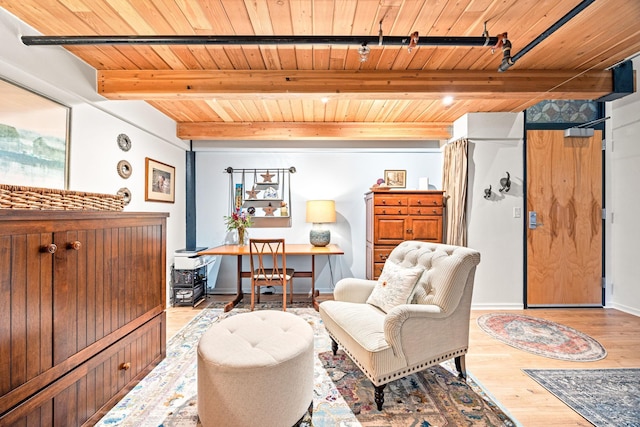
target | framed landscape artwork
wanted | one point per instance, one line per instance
(34, 139)
(161, 181)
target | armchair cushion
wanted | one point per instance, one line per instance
(395, 286)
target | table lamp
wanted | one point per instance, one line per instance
(320, 212)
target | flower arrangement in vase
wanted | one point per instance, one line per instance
(240, 221)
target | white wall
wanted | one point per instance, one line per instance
(495, 147)
(623, 202)
(343, 175)
(95, 125)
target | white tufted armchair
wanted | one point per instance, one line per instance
(426, 325)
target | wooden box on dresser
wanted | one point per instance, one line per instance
(82, 320)
(394, 216)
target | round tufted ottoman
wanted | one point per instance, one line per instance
(255, 369)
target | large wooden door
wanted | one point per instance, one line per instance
(564, 192)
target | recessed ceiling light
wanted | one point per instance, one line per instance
(447, 100)
(324, 99)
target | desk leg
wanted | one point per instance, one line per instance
(313, 282)
(239, 294)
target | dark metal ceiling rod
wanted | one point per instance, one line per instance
(254, 40)
(508, 62)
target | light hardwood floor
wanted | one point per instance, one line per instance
(498, 367)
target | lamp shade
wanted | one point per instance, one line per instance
(321, 211)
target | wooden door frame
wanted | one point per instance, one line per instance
(559, 126)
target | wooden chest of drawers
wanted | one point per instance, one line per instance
(396, 216)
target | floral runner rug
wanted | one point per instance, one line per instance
(342, 395)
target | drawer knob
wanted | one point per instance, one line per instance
(419, 202)
(435, 211)
(384, 256)
(399, 211)
(74, 245)
(125, 366)
(50, 248)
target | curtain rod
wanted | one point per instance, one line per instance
(229, 169)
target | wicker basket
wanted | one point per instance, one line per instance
(18, 197)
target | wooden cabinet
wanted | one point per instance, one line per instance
(396, 216)
(82, 298)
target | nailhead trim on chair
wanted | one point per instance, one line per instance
(405, 371)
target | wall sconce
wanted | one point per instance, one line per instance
(487, 193)
(505, 183)
(320, 212)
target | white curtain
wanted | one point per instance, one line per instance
(454, 184)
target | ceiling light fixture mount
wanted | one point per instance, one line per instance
(364, 51)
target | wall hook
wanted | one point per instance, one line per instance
(487, 193)
(505, 183)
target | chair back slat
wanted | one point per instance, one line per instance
(269, 268)
(268, 261)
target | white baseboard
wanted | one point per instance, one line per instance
(624, 308)
(502, 306)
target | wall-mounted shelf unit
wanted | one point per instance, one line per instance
(265, 194)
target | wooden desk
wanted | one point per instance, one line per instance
(290, 249)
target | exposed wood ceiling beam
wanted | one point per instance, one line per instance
(245, 84)
(313, 131)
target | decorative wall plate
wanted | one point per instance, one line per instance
(124, 142)
(124, 169)
(126, 194)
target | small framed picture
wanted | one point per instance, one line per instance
(161, 182)
(395, 178)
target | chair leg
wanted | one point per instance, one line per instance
(253, 295)
(284, 297)
(461, 367)
(291, 291)
(334, 346)
(379, 395)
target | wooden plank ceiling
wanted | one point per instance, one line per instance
(270, 92)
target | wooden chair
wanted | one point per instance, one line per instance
(269, 268)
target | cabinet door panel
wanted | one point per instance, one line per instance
(25, 304)
(101, 284)
(389, 230)
(427, 229)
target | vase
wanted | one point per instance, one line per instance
(242, 235)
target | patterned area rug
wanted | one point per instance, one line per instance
(542, 337)
(342, 395)
(604, 397)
